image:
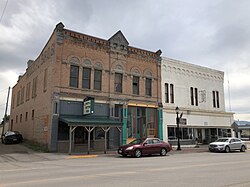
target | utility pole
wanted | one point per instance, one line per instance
(5, 114)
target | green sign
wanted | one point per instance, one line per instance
(88, 105)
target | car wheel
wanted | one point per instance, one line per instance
(137, 153)
(227, 149)
(163, 152)
(243, 148)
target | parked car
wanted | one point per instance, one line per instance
(12, 137)
(227, 145)
(147, 146)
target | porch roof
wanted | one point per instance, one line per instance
(94, 121)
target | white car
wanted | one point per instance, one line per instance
(227, 145)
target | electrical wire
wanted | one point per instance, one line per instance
(4, 10)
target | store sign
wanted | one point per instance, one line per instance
(183, 121)
(88, 105)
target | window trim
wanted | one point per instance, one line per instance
(74, 78)
(118, 82)
(148, 87)
(86, 77)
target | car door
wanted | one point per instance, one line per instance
(232, 144)
(147, 147)
(156, 147)
(237, 143)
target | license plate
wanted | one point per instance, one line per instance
(14, 139)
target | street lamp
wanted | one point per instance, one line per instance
(177, 110)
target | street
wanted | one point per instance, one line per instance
(175, 169)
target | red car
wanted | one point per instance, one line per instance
(147, 146)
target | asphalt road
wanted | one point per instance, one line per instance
(177, 169)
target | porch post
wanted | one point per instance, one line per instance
(124, 124)
(160, 121)
(70, 138)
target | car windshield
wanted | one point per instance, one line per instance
(137, 141)
(222, 140)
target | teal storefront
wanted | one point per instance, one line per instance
(141, 122)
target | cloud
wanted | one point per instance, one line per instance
(213, 34)
(8, 79)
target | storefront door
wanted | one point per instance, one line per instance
(199, 131)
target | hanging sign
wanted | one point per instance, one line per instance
(88, 105)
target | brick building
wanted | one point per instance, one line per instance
(125, 82)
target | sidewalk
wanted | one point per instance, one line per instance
(113, 153)
(190, 149)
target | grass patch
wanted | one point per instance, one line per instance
(35, 146)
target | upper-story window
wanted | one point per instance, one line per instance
(169, 93)
(118, 82)
(216, 99)
(86, 77)
(18, 98)
(45, 80)
(22, 94)
(74, 76)
(194, 96)
(98, 79)
(34, 87)
(148, 86)
(136, 85)
(28, 91)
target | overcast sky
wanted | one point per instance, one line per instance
(210, 33)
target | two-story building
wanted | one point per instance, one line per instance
(122, 82)
(199, 93)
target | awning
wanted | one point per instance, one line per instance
(90, 123)
(94, 121)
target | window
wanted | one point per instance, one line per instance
(45, 80)
(118, 82)
(28, 91)
(169, 93)
(86, 75)
(22, 94)
(21, 118)
(13, 101)
(16, 118)
(55, 107)
(34, 87)
(216, 99)
(98, 80)
(194, 96)
(136, 85)
(118, 110)
(33, 114)
(148, 87)
(18, 98)
(166, 93)
(74, 75)
(26, 116)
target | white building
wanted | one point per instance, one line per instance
(199, 94)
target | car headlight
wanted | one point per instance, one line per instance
(130, 148)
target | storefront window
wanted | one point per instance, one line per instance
(141, 122)
(99, 133)
(171, 133)
(63, 131)
(245, 133)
